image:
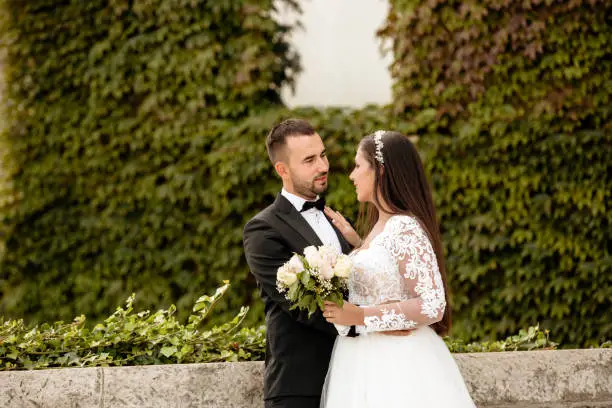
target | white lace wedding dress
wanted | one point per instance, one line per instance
(397, 282)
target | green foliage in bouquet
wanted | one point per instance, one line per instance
(514, 100)
(309, 280)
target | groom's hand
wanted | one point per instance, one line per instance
(345, 228)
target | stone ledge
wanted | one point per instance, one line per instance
(536, 379)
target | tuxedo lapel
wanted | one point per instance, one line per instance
(287, 212)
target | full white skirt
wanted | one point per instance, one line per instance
(381, 371)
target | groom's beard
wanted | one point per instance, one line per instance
(310, 188)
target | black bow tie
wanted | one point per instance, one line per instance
(319, 204)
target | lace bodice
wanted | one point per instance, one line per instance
(396, 278)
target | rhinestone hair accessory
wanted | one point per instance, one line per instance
(379, 145)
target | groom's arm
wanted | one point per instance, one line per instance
(263, 248)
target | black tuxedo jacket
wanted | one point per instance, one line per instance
(298, 348)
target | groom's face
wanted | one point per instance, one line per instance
(306, 166)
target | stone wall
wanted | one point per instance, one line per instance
(536, 379)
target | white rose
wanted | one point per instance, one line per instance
(313, 257)
(295, 264)
(329, 254)
(343, 266)
(311, 252)
(326, 271)
(286, 276)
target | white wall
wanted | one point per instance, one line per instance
(340, 54)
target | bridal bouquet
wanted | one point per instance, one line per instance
(320, 275)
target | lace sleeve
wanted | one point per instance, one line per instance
(412, 250)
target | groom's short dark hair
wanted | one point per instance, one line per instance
(277, 138)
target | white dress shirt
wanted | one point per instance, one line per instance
(316, 219)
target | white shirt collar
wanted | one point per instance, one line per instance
(296, 201)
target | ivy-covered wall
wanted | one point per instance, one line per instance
(112, 110)
(134, 153)
(518, 94)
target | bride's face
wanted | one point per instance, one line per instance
(362, 177)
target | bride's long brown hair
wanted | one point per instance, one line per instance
(404, 189)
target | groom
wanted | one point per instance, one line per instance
(298, 348)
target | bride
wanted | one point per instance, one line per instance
(398, 296)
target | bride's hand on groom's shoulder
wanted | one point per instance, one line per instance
(344, 227)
